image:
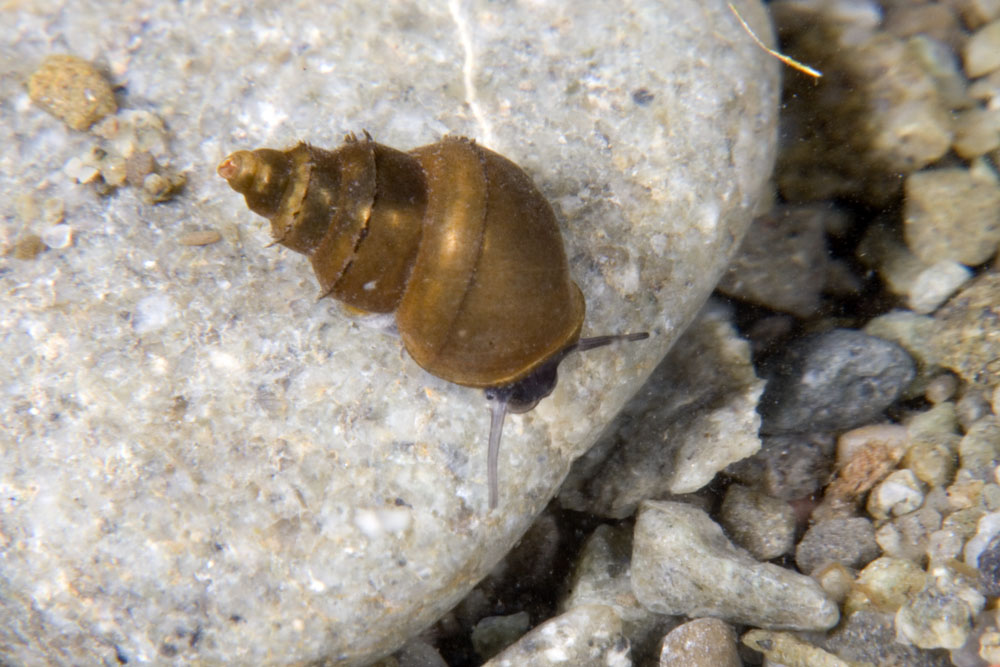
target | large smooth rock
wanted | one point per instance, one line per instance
(201, 462)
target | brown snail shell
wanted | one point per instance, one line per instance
(451, 237)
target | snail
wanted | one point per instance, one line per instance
(452, 238)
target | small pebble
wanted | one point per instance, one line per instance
(835, 580)
(930, 425)
(586, 635)
(977, 132)
(788, 467)
(935, 284)
(202, 237)
(782, 262)
(784, 648)
(979, 450)
(603, 576)
(899, 493)
(987, 530)
(833, 381)
(53, 211)
(973, 406)
(964, 522)
(703, 642)
(989, 567)
(941, 388)
(72, 90)
(850, 542)
(864, 457)
(682, 563)
(58, 236)
(981, 54)
(941, 615)
(907, 536)
(885, 585)
(28, 246)
(762, 525)
(951, 214)
(933, 463)
(943, 545)
(495, 633)
(868, 637)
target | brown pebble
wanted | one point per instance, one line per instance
(138, 166)
(202, 237)
(72, 90)
(28, 247)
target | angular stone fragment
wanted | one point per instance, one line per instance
(682, 563)
(585, 635)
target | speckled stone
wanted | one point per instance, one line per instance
(696, 415)
(703, 642)
(952, 214)
(761, 524)
(72, 90)
(885, 584)
(850, 542)
(210, 463)
(682, 563)
(941, 615)
(966, 337)
(589, 635)
(833, 381)
(870, 637)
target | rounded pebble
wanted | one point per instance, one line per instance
(833, 381)
(850, 542)
(703, 642)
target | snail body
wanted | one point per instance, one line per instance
(452, 238)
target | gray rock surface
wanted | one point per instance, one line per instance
(695, 416)
(833, 381)
(204, 463)
(683, 564)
